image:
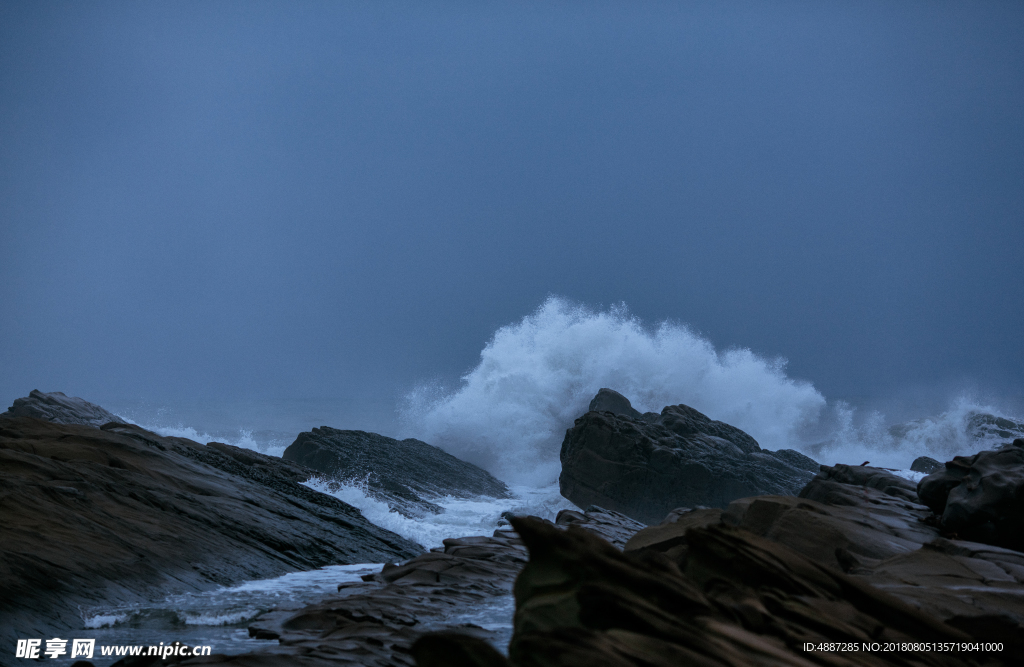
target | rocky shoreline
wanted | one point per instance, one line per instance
(118, 514)
(853, 572)
(831, 573)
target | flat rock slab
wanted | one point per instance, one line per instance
(118, 514)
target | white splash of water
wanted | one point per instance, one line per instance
(461, 516)
(911, 475)
(536, 376)
(243, 438)
(953, 432)
(96, 621)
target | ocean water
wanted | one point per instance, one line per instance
(509, 415)
(218, 618)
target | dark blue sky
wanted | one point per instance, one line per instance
(325, 199)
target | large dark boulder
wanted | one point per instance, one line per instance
(406, 474)
(117, 515)
(647, 465)
(981, 497)
(60, 409)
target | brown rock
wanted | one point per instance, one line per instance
(738, 600)
(981, 497)
(670, 536)
(854, 561)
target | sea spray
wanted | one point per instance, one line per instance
(536, 376)
(965, 427)
(241, 438)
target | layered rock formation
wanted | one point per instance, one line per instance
(981, 497)
(646, 465)
(118, 514)
(406, 474)
(60, 409)
(854, 572)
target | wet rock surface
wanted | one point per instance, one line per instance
(735, 599)
(925, 464)
(118, 514)
(648, 465)
(377, 621)
(60, 409)
(406, 474)
(852, 561)
(981, 497)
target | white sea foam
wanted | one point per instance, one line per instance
(911, 475)
(461, 516)
(243, 437)
(96, 621)
(230, 618)
(231, 605)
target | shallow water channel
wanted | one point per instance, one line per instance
(220, 618)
